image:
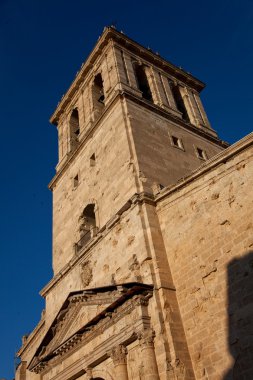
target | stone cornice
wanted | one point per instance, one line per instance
(151, 106)
(208, 166)
(207, 133)
(87, 135)
(112, 34)
(32, 336)
(124, 298)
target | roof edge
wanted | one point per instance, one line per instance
(108, 33)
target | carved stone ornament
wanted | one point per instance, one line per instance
(146, 338)
(177, 369)
(86, 273)
(118, 355)
(89, 373)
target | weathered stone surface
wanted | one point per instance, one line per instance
(152, 244)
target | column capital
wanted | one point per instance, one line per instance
(146, 337)
(88, 371)
(118, 354)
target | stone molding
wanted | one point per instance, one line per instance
(208, 133)
(139, 198)
(102, 322)
(33, 336)
(108, 35)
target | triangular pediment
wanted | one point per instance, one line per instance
(80, 310)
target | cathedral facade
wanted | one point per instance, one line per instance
(152, 231)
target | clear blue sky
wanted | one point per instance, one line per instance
(42, 45)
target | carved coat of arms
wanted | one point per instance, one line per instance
(86, 273)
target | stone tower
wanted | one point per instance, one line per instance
(130, 124)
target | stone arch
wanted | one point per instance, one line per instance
(98, 95)
(88, 221)
(96, 209)
(101, 374)
(179, 99)
(140, 71)
(74, 128)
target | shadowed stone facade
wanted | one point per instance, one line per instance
(152, 230)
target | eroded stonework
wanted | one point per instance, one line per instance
(152, 231)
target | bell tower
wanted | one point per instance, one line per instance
(130, 124)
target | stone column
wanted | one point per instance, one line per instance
(150, 370)
(118, 355)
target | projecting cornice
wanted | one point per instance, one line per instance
(78, 322)
(120, 38)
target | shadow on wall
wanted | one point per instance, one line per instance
(240, 314)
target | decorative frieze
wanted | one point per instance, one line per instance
(102, 322)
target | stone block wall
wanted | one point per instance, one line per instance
(108, 183)
(208, 233)
(158, 159)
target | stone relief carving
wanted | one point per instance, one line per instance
(176, 370)
(86, 273)
(60, 344)
(134, 267)
(118, 355)
(146, 338)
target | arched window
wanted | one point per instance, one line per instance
(74, 128)
(88, 217)
(179, 100)
(98, 95)
(87, 226)
(142, 81)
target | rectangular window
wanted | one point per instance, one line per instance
(93, 160)
(176, 142)
(201, 153)
(76, 181)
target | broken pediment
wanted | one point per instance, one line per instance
(79, 314)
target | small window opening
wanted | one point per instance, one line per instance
(142, 82)
(88, 216)
(176, 142)
(179, 100)
(93, 160)
(76, 181)
(74, 122)
(87, 226)
(201, 154)
(99, 88)
(74, 128)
